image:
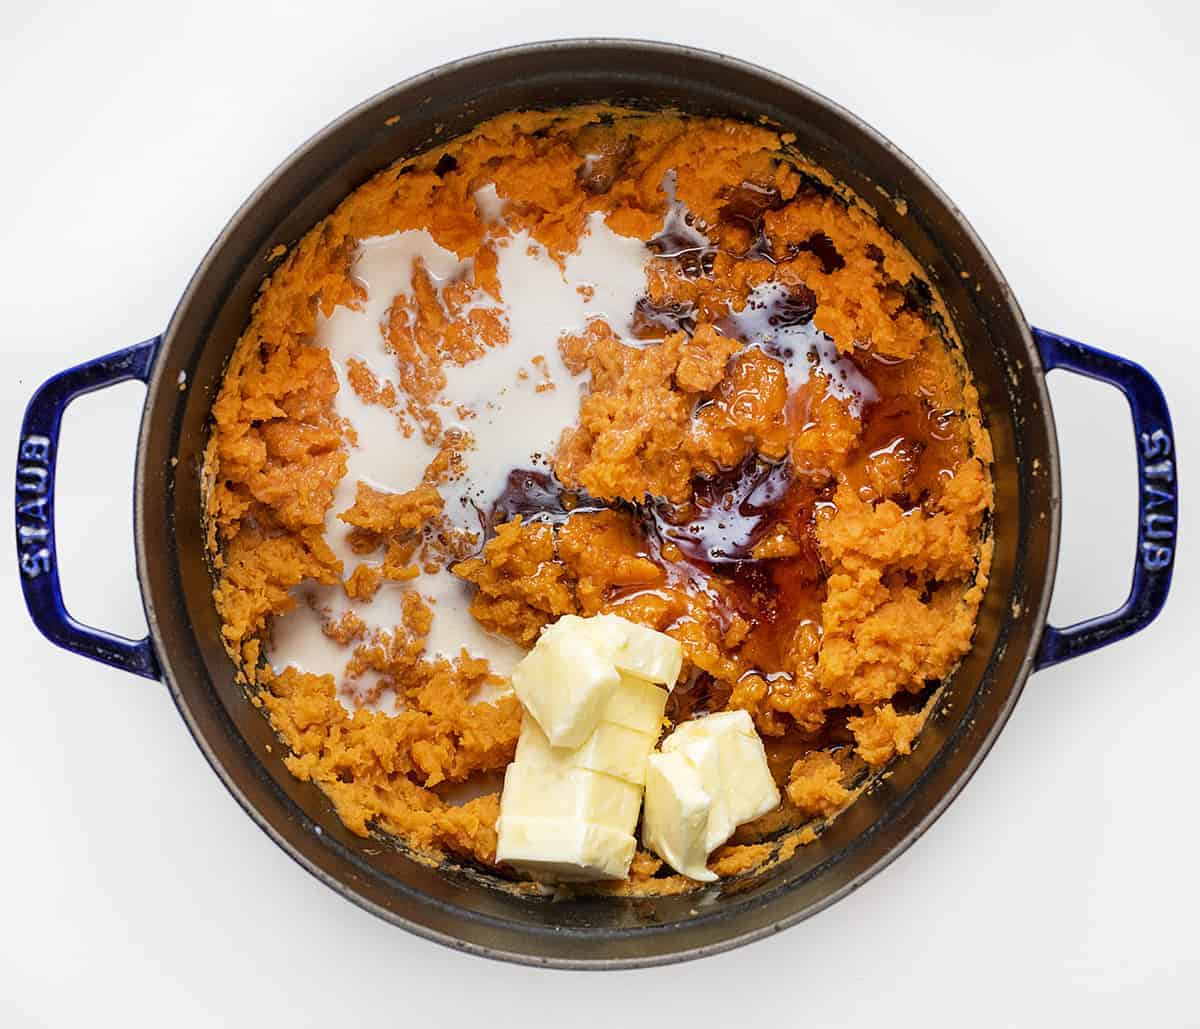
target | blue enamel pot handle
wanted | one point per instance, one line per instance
(1158, 499)
(1158, 491)
(37, 454)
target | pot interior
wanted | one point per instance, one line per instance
(458, 906)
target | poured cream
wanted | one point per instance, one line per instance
(510, 420)
(489, 205)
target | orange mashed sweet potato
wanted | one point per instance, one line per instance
(854, 592)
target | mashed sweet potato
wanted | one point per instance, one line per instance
(811, 526)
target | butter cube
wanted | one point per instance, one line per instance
(704, 755)
(570, 794)
(565, 682)
(708, 726)
(746, 784)
(719, 758)
(592, 716)
(676, 814)
(563, 851)
(612, 749)
(639, 650)
(636, 704)
(749, 788)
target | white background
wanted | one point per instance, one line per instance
(1061, 885)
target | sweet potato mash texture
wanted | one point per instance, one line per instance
(852, 590)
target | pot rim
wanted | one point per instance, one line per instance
(428, 80)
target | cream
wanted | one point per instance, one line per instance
(510, 420)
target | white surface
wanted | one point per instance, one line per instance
(1061, 887)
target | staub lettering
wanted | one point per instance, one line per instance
(1158, 500)
(33, 506)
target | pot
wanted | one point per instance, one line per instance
(457, 906)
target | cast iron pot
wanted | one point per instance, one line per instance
(457, 906)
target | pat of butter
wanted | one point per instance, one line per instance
(570, 795)
(563, 851)
(709, 726)
(714, 765)
(638, 650)
(565, 682)
(636, 704)
(592, 716)
(612, 749)
(675, 818)
(747, 787)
